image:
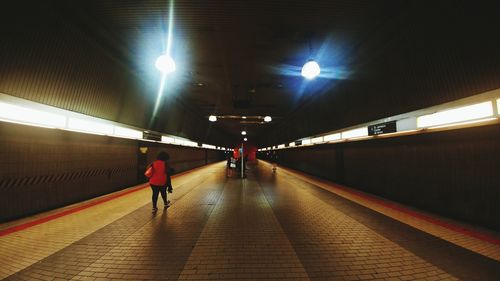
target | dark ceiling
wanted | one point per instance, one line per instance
(378, 58)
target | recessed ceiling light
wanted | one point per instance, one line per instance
(245, 139)
(244, 117)
(243, 132)
(268, 119)
(212, 118)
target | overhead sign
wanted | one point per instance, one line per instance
(382, 128)
(147, 135)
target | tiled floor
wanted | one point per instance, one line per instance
(269, 226)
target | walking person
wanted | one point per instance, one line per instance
(231, 164)
(159, 179)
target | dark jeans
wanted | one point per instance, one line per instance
(158, 189)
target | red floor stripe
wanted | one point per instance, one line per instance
(66, 212)
(456, 228)
(79, 208)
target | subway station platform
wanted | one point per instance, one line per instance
(268, 226)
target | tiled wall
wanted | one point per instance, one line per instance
(453, 173)
(41, 168)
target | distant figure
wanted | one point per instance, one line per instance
(159, 179)
(274, 160)
(231, 165)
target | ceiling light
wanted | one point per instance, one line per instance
(310, 69)
(268, 119)
(212, 118)
(165, 64)
(244, 117)
(245, 139)
(243, 132)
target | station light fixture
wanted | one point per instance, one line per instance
(244, 132)
(23, 115)
(355, 133)
(245, 139)
(311, 69)
(268, 119)
(460, 114)
(127, 133)
(166, 139)
(88, 126)
(212, 118)
(165, 64)
(244, 117)
(332, 137)
(317, 140)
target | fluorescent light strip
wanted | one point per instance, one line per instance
(355, 133)
(28, 116)
(306, 142)
(166, 139)
(332, 137)
(281, 146)
(189, 143)
(87, 126)
(498, 106)
(317, 140)
(465, 113)
(127, 133)
(16, 110)
(464, 123)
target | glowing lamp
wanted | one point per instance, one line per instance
(212, 118)
(165, 64)
(243, 132)
(310, 69)
(268, 119)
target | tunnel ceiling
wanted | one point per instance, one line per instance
(378, 58)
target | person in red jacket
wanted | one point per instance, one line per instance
(160, 179)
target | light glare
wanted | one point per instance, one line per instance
(165, 64)
(243, 132)
(311, 69)
(268, 119)
(212, 118)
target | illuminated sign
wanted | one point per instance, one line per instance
(147, 135)
(382, 128)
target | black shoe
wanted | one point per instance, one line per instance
(154, 210)
(170, 189)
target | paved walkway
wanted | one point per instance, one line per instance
(269, 226)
